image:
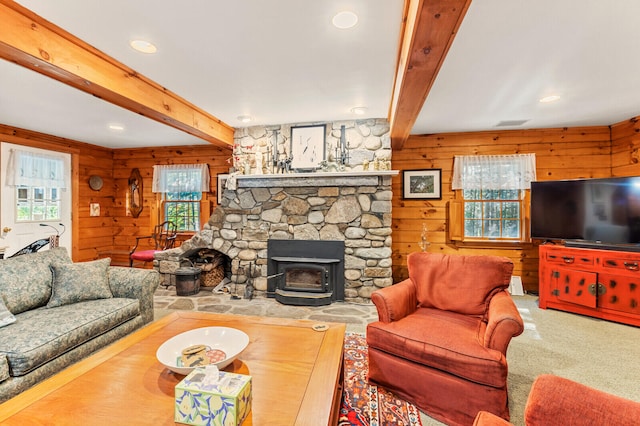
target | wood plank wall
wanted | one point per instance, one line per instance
(625, 152)
(125, 227)
(563, 153)
(91, 235)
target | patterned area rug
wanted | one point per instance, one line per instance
(368, 405)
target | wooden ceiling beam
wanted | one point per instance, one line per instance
(429, 29)
(31, 41)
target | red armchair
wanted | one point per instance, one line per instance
(555, 400)
(442, 336)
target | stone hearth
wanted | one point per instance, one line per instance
(354, 207)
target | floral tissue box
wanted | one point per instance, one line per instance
(211, 397)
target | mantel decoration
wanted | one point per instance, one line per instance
(308, 147)
(135, 193)
(422, 184)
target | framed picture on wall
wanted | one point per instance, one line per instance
(307, 147)
(422, 184)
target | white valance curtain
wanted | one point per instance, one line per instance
(27, 168)
(515, 171)
(181, 178)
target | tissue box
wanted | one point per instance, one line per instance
(213, 398)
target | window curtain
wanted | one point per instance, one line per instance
(181, 178)
(515, 171)
(35, 169)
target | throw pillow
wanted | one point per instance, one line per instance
(6, 317)
(458, 283)
(76, 282)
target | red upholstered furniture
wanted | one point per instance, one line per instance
(164, 238)
(554, 400)
(442, 335)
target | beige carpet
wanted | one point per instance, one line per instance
(601, 354)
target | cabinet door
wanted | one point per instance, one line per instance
(620, 293)
(573, 286)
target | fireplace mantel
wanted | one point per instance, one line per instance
(348, 178)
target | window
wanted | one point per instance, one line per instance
(38, 180)
(493, 197)
(493, 214)
(181, 188)
(37, 204)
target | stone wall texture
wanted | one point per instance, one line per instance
(352, 207)
(368, 141)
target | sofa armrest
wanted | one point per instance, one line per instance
(395, 302)
(135, 283)
(503, 322)
(556, 400)
(485, 418)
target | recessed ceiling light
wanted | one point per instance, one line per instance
(143, 46)
(345, 20)
(550, 98)
(359, 110)
(116, 127)
(244, 118)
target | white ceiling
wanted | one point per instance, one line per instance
(281, 61)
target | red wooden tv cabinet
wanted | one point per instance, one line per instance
(598, 283)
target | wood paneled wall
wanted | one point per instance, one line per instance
(125, 227)
(625, 151)
(91, 235)
(564, 153)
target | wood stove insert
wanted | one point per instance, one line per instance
(305, 272)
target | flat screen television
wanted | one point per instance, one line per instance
(587, 212)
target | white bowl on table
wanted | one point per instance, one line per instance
(229, 340)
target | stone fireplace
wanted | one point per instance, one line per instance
(352, 208)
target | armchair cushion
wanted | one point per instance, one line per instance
(463, 284)
(444, 341)
(144, 255)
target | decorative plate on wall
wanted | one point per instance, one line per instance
(95, 182)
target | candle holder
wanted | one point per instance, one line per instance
(424, 243)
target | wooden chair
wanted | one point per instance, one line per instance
(164, 237)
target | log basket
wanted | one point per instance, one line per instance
(213, 271)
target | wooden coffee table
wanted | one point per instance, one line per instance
(297, 376)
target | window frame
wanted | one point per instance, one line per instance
(157, 210)
(164, 201)
(456, 225)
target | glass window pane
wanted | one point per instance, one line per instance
(492, 228)
(23, 193)
(471, 194)
(511, 229)
(472, 210)
(509, 194)
(510, 210)
(492, 210)
(23, 213)
(473, 228)
(38, 193)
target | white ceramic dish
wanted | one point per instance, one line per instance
(228, 340)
